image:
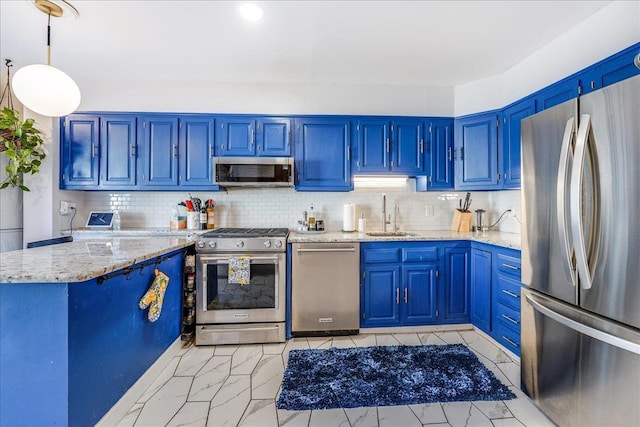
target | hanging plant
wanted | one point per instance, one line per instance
(20, 141)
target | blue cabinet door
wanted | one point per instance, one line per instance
(481, 289)
(235, 136)
(118, 151)
(456, 288)
(322, 154)
(511, 118)
(196, 151)
(381, 296)
(159, 135)
(374, 147)
(476, 163)
(80, 151)
(273, 137)
(419, 296)
(439, 155)
(557, 93)
(407, 146)
(612, 70)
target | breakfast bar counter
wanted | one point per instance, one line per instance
(73, 337)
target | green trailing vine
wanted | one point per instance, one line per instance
(22, 143)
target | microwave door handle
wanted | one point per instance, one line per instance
(561, 203)
(577, 172)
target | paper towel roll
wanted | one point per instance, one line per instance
(349, 217)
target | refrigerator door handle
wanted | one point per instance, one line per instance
(561, 185)
(582, 328)
(576, 202)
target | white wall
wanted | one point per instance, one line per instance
(608, 31)
(274, 98)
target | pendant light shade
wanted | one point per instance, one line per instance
(46, 90)
(42, 88)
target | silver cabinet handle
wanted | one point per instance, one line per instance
(94, 149)
(561, 185)
(597, 334)
(511, 294)
(397, 295)
(351, 249)
(510, 341)
(175, 150)
(388, 145)
(133, 150)
(511, 267)
(449, 154)
(511, 319)
(406, 296)
(579, 243)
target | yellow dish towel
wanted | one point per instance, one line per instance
(239, 269)
(155, 295)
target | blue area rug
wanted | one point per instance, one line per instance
(386, 375)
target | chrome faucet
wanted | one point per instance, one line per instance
(385, 221)
(396, 212)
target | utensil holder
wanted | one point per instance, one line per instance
(461, 220)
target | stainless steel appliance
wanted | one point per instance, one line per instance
(232, 313)
(580, 356)
(325, 289)
(254, 171)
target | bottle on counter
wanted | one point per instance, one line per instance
(117, 223)
(362, 224)
(312, 219)
(211, 220)
(203, 219)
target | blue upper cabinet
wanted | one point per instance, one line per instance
(390, 146)
(615, 68)
(557, 93)
(476, 152)
(438, 157)
(236, 136)
(323, 154)
(273, 136)
(118, 151)
(510, 155)
(374, 146)
(98, 151)
(80, 151)
(159, 157)
(253, 136)
(196, 151)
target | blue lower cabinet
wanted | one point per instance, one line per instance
(72, 350)
(505, 299)
(418, 297)
(456, 301)
(481, 289)
(380, 296)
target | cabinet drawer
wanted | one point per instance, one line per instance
(509, 265)
(419, 254)
(508, 318)
(508, 338)
(508, 291)
(376, 256)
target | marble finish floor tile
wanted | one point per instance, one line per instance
(238, 385)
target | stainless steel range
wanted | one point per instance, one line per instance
(240, 294)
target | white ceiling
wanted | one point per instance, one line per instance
(417, 43)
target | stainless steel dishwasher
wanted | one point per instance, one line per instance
(325, 289)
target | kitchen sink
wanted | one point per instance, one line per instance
(389, 233)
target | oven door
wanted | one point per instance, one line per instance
(261, 300)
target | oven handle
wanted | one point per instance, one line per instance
(206, 259)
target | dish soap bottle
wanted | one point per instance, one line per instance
(211, 220)
(116, 221)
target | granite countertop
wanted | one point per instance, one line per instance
(87, 233)
(82, 260)
(507, 240)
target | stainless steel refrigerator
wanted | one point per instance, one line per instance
(580, 355)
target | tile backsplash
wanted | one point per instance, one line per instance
(283, 207)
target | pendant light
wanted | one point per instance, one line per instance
(41, 87)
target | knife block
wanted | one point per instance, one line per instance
(461, 221)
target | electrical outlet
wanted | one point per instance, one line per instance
(428, 210)
(66, 207)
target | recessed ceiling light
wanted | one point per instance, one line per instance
(251, 11)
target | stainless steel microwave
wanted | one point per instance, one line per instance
(254, 171)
